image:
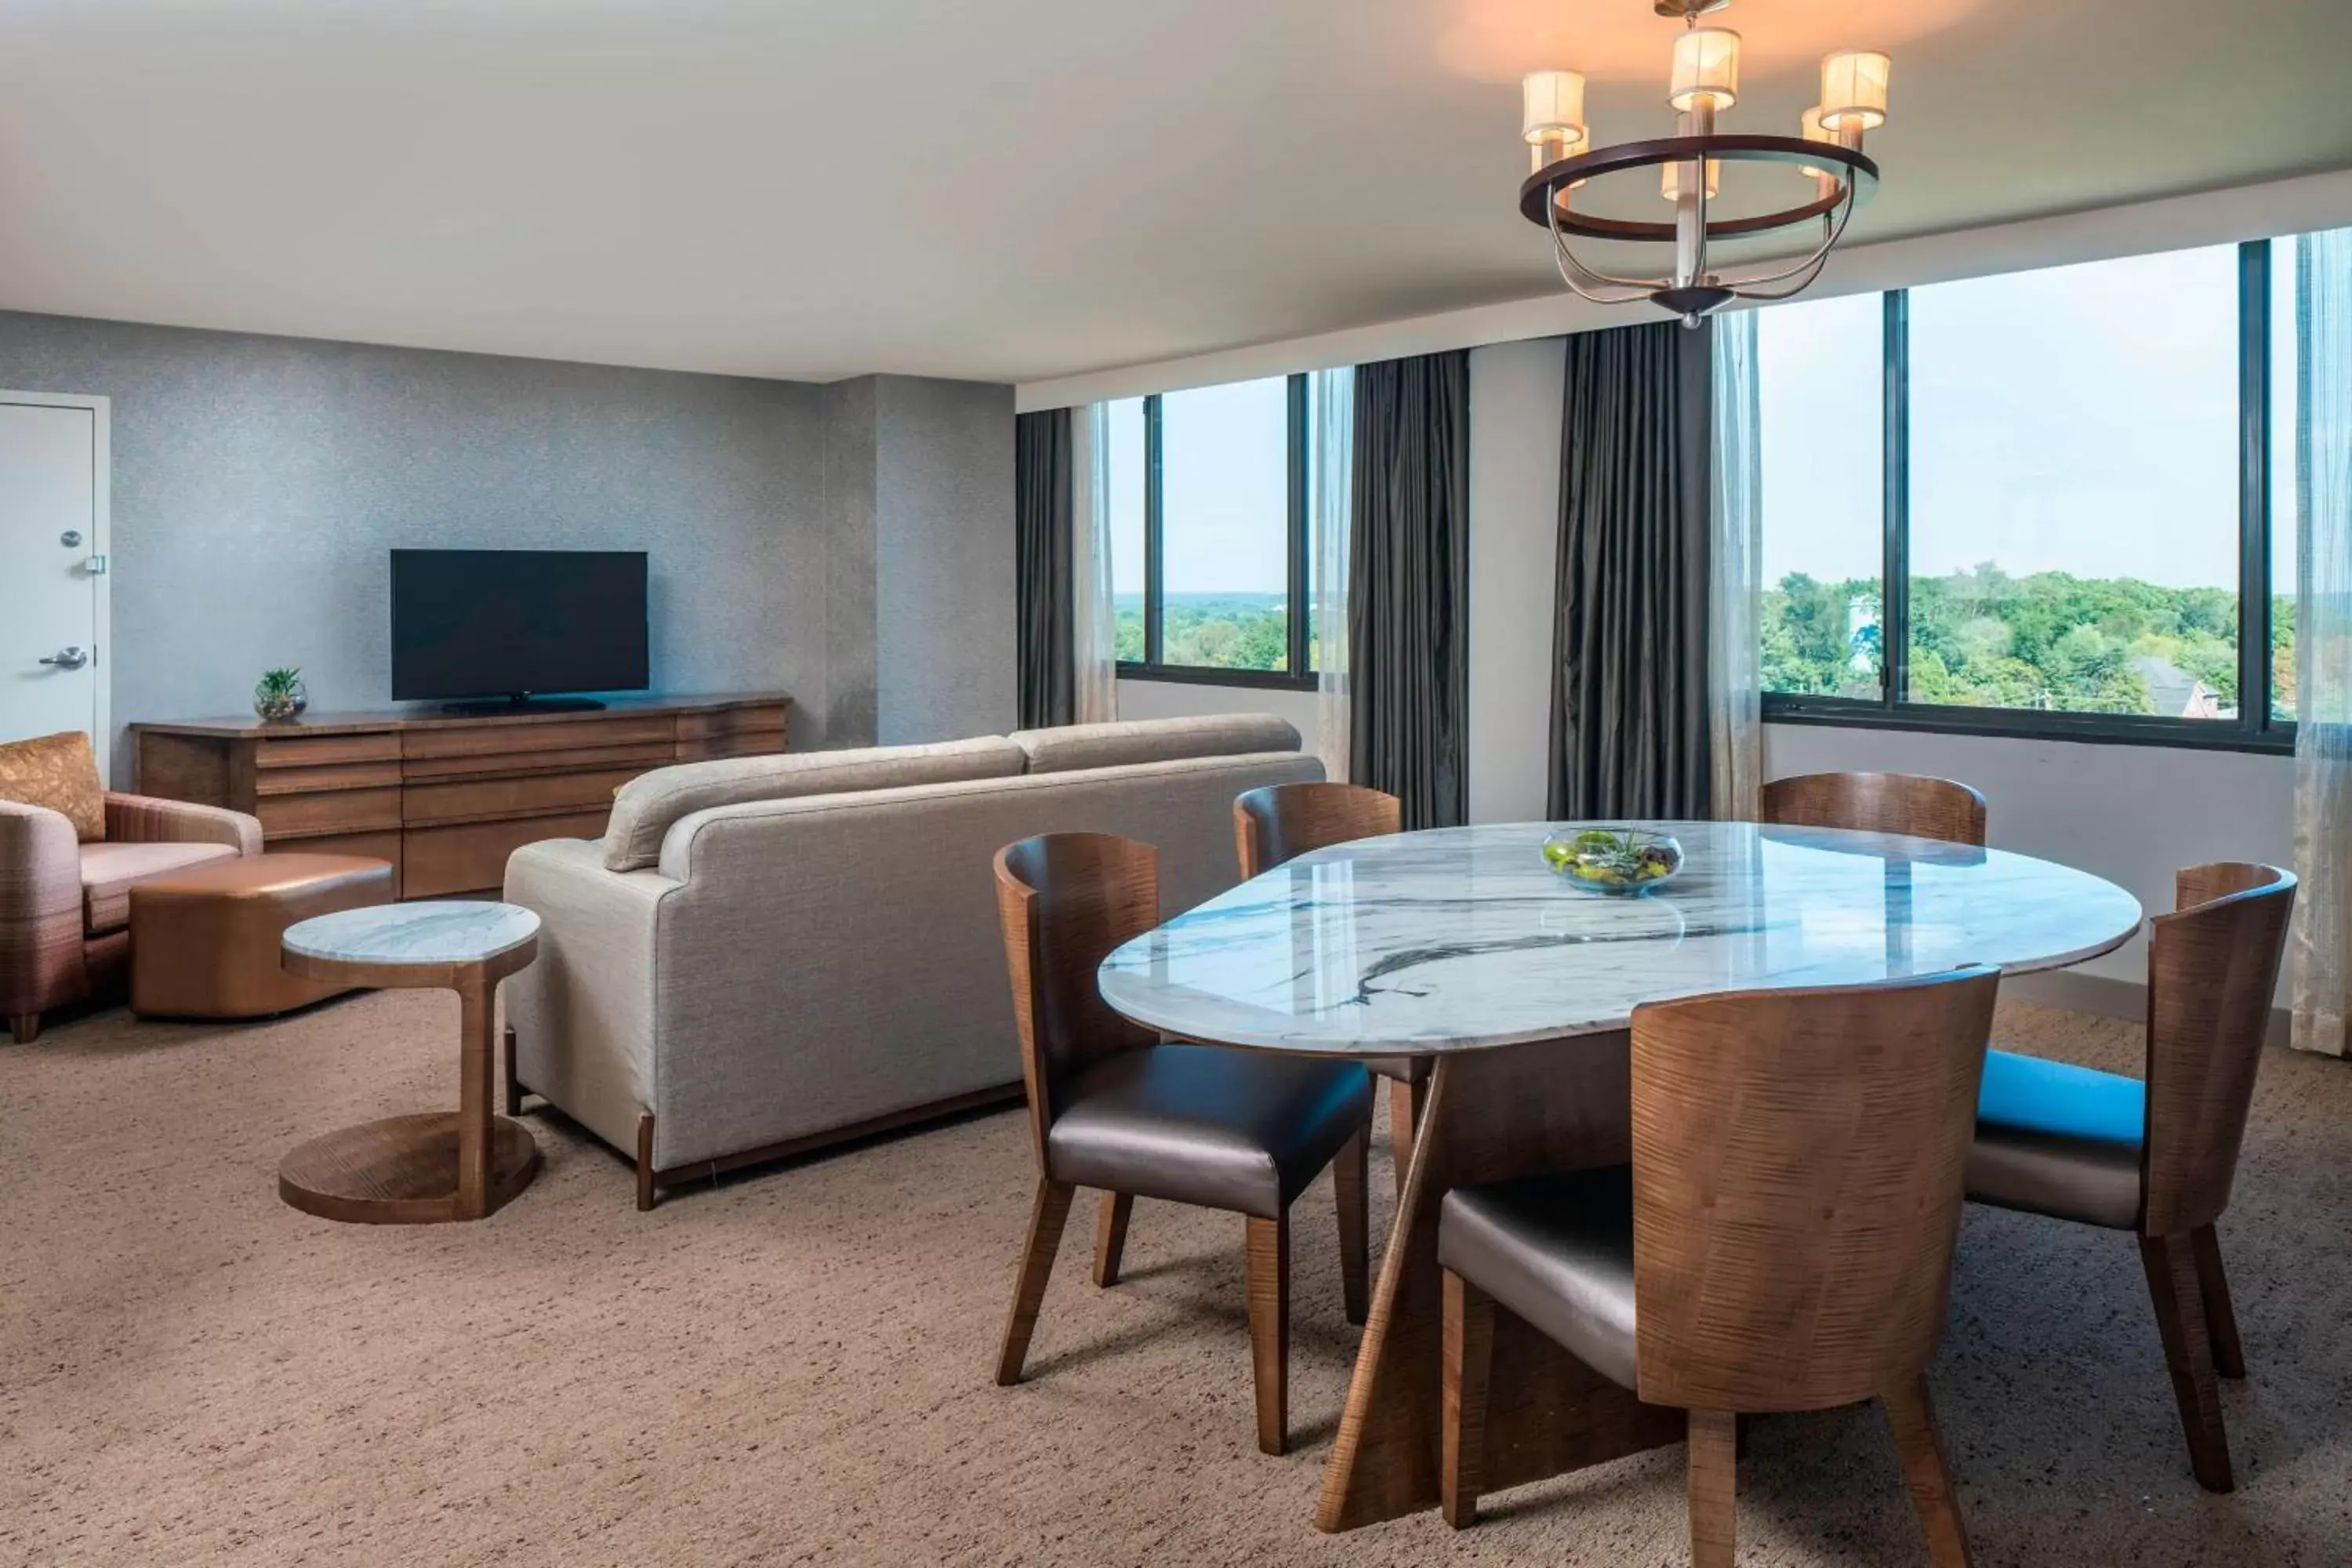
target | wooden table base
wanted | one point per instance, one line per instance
(1491, 1116)
(402, 1170)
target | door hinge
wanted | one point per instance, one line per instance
(94, 565)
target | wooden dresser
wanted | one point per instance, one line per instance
(444, 799)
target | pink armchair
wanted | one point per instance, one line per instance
(65, 906)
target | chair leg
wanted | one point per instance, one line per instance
(1348, 1181)
(1110, 1236)
(1714, 1487)
(1269, 1323)
(1405, 1101)
(1927, 1473)
(2220, 1317)
(1469, 1343)
(23, 1026)
(1046, 1217)
(2173, 1286)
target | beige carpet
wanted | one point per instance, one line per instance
(794, 1368)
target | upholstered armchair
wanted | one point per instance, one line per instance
(65, 906)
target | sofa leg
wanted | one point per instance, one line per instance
(644, 1161)
(23, 1026)
(507, 1068)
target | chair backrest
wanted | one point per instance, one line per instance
(1065, 900)
(1282, 822)
(2212, 969)
(1798, 1167)
(1911, 804)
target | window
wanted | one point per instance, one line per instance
(1820, 445)
(2042, 503)
(1208, 580)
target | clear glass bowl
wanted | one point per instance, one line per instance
(1616, 860)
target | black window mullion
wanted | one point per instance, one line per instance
(1152, 533)
(1895, 589)
(1296, 611)
(2254, 486)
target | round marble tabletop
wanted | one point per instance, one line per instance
(1461, 938)
(438, 932)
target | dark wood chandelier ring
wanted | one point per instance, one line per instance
(1856, 173)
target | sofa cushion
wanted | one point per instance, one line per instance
(59, 772)
(646, 805)
(109, 870)
(1074, 746)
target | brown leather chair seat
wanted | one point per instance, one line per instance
(1558, 1251)
(1198, 1124)
(109, 870)
(2060, 1140)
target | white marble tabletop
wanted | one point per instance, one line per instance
(1461, 938)
(443, 930)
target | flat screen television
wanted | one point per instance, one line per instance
(513, 624)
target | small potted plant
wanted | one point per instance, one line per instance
(278, 695)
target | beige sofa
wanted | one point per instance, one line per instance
(768, 954)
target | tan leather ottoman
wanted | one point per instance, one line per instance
(203, 941)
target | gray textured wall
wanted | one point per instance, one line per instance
(850, 564)
(945, 622)
(258, 482)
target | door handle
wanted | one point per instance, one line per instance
(68, 659)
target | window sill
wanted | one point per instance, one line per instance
(2085, 729)
(1211, 675)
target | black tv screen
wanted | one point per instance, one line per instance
(504, 623)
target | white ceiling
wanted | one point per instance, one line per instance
(1009, 190)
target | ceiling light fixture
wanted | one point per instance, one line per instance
(1704, 83)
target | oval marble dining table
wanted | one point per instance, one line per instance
(1460, 945)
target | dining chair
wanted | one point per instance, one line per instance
(1782, 1241)
(1112, 1107)
(1281, 822)
(2157, 1155)
(1910, 804)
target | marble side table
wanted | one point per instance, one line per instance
(423, 1169)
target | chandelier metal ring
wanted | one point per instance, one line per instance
(1538, 205)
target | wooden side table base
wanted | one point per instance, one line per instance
(402, 1170)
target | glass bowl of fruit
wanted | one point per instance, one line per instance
(1619, 860)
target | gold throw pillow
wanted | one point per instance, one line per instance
(59, 772)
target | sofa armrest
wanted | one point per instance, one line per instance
(584, 1013)
(40, 908)
(145, 819)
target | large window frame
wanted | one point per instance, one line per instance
(1298, 674)
(2252, 730)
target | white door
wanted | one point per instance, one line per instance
(53, 496)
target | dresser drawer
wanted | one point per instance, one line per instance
(328, 811)
(322, 750)
(530, 794)
(529, 740)
(472, 857)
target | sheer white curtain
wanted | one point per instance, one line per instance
(1735, 678)
(2322, 940)
(1332, 454)
(1095, 623)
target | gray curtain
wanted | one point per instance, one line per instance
(1629, 680)
(1409, 585)
(1041, 469)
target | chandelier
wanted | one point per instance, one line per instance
(1704, 82)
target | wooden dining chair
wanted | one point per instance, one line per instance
(1113, 1108)
(1782, 1241)
(1910, 804)
(1281, 822)
(2157, 1155)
